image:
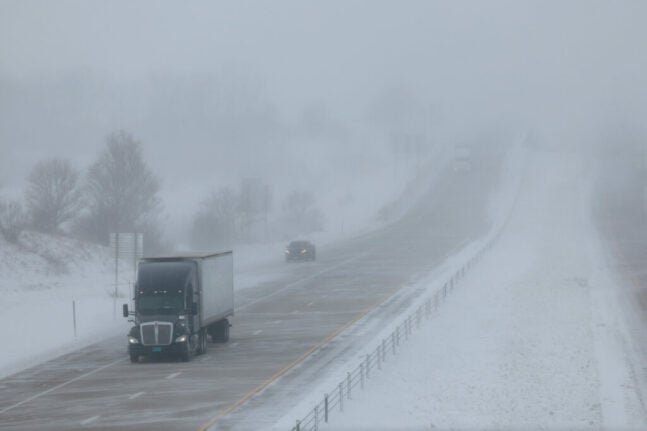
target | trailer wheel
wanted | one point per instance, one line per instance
(220, 331)
(134, 358)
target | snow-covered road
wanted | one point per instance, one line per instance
(534, 338)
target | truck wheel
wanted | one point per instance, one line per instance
(185, 355)
(225, 332)
(202, 342)
(220, 331)
(134, 358)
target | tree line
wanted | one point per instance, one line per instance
(119, 193)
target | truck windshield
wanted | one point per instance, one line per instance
(161, 287)
(160, 304)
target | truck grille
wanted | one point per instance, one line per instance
(156, 333)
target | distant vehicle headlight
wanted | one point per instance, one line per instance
(132, 340)
(287, 251)
(181, 339)
(303, 251)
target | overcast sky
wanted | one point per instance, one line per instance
(553, 65)
(341, 50)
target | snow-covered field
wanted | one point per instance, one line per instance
(533, 338)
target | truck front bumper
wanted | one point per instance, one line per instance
(171, 349)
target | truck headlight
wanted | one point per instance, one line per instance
(132, 340)
(180, 339)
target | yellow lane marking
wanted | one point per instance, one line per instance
(282, 371)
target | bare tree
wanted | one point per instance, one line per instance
(12, 220)
(122, 192)
(53, 196)
(215, 223)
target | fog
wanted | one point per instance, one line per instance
(306, 94)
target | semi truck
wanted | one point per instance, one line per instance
(179, 302)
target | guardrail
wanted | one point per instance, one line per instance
(334, 400)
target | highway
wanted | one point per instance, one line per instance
(285, 333)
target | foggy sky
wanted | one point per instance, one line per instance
(341, 50)
(563, 66)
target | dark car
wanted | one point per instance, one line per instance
(300, 250)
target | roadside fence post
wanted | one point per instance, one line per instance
(348, 385)
(379, 358)
(393, 342)
(383, 349)
(326, 408)
(368, 367)
(298, 425)
(361, 373)
(341, 397)
(317, 417)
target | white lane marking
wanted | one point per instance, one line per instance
(88, 420)
(233, 344)
(309, 304)
(258, 332)
(310, 277)
(138, 394)
(204, 359)
(33, 397)
(174, 375)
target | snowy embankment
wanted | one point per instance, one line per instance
(533, 337)
(41, 279)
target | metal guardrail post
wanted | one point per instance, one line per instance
(393, 342)
(317, 417)
(326, 408)
(383, 349)
(341, 397)
(361, 373)
(368, 367)
(298, 427)
(379, 357)
(348, 385)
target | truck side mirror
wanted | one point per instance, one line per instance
(126, 310)
(194, 308)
